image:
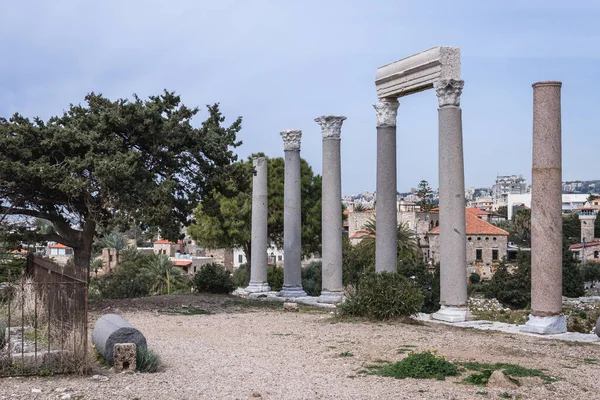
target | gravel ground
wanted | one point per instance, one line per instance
(245, 351)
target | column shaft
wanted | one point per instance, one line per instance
(546, 202)
(258, 257)
(453, 253)
(386, 208)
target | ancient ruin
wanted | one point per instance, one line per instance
(260, 205)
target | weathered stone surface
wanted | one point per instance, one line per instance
(418, 72)
(258, 257)
(597, 329)
(545, 325)
(124, 354)
(291, 306)
(111, 329)
(499, 380)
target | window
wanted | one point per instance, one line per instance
(279, 258)
(595, 254)
(194, 269)
(494, 254)
(240, 258)
(68, 251)
(479, 254)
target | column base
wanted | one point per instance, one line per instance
(331, 297)
(258, 287)
(451, 314)
(545, 325)
(292, 291)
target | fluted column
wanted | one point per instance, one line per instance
(258, 257)
(331, 210)
(292, 216)
(386, 216)
(453, 252)
(546, 212)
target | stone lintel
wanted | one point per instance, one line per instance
(418, 72)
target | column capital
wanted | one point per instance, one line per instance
(331, 125)
(291, 139)
(387, 109)
(448, 92)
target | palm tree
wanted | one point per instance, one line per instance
(408, 249)
(164, 273)
(114, 240)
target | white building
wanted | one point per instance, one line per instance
(507, 185)
(570, 202)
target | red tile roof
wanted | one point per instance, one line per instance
(20, 251)
(163, 241)
(476, 226)
(580, 245)
(182, 263)
(477, 211)
(359, 234)
(58, 246)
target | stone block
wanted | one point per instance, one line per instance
(418, 72)
(545, 325)
(111, 329)
(124, 354)
(291, 306)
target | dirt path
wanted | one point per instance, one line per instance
(243, 352)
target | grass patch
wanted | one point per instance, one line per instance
(505, 395)
(510, 370)
(591, 361)
(146, 360)
(346, 354)
(425, 365)
(518, 317)
(482, 393)
(186, 311)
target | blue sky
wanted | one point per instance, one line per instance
(280, 64)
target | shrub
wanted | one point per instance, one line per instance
(572, 276)
(146, 360)
(426, 365)
(358, 261)
(427, 281)
(311, 278)
(131, 279)
(474, 278)
(383, 296)
(213, 278)
(240, 276)
(512, 289)
(275, 278)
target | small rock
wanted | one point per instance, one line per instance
(64, 396)
(184, 306)
(36, 390)
(100, 378)
(60, 390)
(499, 380)
(291, 306)
(256, 394)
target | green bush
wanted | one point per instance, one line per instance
(428, 282)
(383, 296)
(474, 278)
(426, 365)
(311, 278)
(275, 278)
(512, 289)
(358, 261)
(131, 279)
(240, 276)
(572, 276)
(146, 360)
(213, 278)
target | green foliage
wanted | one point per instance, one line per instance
(511, 370)
(12, 265)
(357, 261)
(130, 280)
(425, 365)
(572, 277)
(407, 247)
(3, 326)
(146, 360)
(311, 278)
(425, 195)
(166, 277)
(346, 354)
(591, 272)
(571, 228)
(213, 278)
(474, 278)
(106, 163)
(520, 227)
(114, 240)
(512, 289)
(383, 296)
(427, 281)
(275, 278)
(241, 276)
(129, 253)
(503, 210)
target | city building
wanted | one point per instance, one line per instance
(507, 185)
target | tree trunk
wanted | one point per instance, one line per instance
(83, 252)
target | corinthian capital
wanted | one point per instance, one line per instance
(387, 109)
(291, 139)
(331, 125)
(449, 91)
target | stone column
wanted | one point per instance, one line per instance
(292, 217)
(331, 210)
(453, 251)
(546, 213)
(386, 207)
(258, 257)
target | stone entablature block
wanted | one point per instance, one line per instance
(418, 72)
